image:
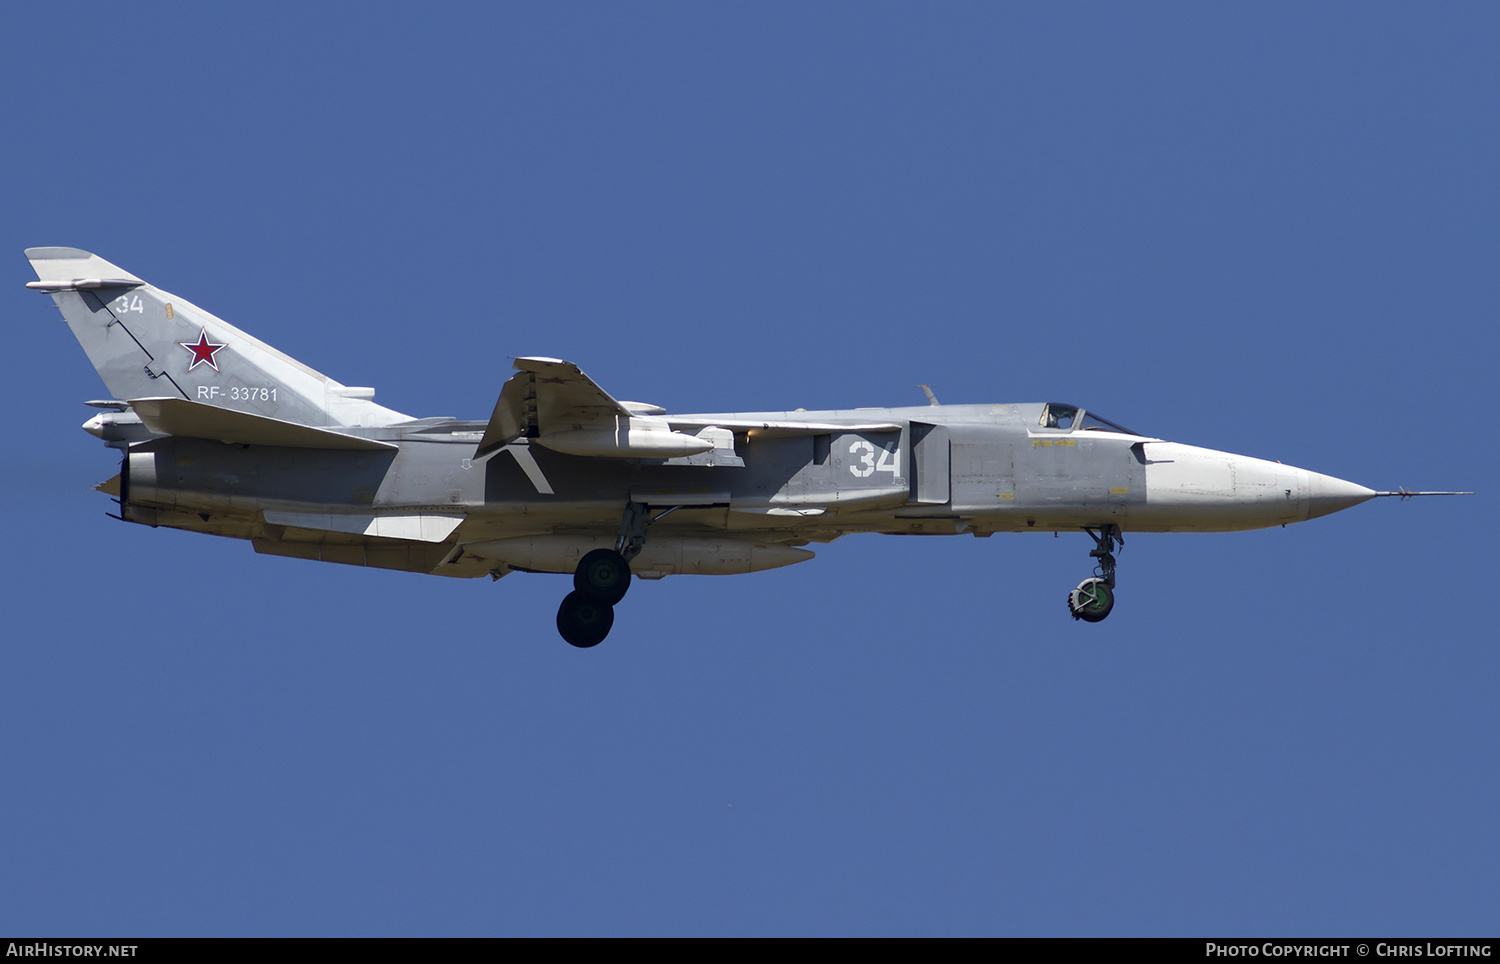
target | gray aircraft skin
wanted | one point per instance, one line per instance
(223, 434)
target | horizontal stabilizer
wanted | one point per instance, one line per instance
(178, 416)
(415, 528)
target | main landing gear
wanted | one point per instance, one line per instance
(588, 612)
(1093, 598)
(601, 580)
(583, 620)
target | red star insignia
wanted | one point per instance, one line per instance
(203, 351)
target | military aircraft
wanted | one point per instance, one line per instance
(223, 434)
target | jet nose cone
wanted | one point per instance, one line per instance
(1325, 494)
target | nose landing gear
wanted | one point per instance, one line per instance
(1092, 599)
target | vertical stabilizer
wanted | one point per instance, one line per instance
(147, 343)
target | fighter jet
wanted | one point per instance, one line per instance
(221, 433)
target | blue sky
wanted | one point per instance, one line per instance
(1269, 229)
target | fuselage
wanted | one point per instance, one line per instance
(940, 470)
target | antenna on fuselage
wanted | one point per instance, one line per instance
(931, 398)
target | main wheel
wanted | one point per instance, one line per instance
(603, 575)
(584, 622)
(1091, 600)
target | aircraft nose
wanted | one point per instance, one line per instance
(1324, 494)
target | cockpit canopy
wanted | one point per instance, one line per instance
(1069, 418)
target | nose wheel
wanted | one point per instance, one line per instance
(1092, 599)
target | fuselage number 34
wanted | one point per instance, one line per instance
(890, 459)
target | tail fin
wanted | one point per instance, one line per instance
(147, 343)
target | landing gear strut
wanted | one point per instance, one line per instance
(1093, 598)
(602, 579)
